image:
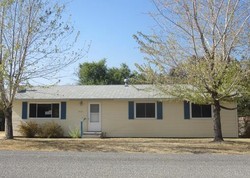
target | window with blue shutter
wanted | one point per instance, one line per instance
(159, 110)
(131, 110)
(186, 110)
(24, 110)
(63, 110)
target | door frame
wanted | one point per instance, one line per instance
(100, 116)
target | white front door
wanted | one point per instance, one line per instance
(94, 117)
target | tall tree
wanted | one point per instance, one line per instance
(244, 101)
(34, 43)
(93, 73)
(117, 75)
(97, 73)
(201, 40)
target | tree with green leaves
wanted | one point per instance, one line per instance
(117, 75)
(201, 41)
(34, 43)
(93, 73)
(244, 101)
(97, 73)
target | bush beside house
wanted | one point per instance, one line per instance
(244, 117)
(244, 127)
(31, 129)
(51, 130)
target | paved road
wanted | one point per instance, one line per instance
(71, 164)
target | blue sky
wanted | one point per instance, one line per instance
(109, 25)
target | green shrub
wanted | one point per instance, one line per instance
(75, 133)
(29, 129)
(244, 127)
(51, 130)
(247, 133)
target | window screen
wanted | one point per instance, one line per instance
(44, 110)
(201, 110)
(145, 110)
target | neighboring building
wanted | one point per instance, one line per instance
(119, 111)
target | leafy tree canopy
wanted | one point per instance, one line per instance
(93, 73)
(244, 101)
(192, 54)
(36, 41)
(97, 73)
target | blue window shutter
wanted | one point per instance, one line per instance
(186, 110)
(63, 110)
(24, 110)
(159, 110)
(131, 110)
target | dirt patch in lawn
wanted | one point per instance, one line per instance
(130, 145)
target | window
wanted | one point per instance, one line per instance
(44, 110)
(200, 111)
(145, 110)
(94, 113)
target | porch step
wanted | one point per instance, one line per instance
(92, 135)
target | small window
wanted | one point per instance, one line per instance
(201, 111)
(145, 110)
(44, 110)
(94, 108)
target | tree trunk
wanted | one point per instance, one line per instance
(217, 122)
(8, 123)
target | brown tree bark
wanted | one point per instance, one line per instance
(217, 122)
(8, 123)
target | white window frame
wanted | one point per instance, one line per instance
(37, 118)
(146, 118)
(199, 118)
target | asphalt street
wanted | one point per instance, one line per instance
(85, 164)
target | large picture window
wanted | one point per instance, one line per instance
(44, 110)
(145, 110)
(201, 111)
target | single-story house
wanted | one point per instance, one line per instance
(119, 111)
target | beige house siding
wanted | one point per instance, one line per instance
(115, 122)
(173, 124)
(76, 111)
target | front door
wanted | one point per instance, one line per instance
(94, 117)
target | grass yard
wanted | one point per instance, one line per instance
(130, 145)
